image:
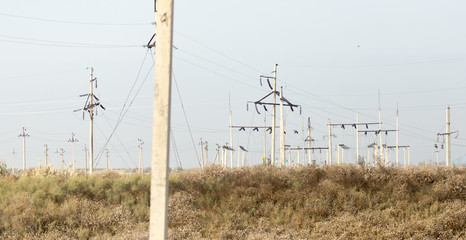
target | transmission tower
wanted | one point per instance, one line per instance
(91, 102)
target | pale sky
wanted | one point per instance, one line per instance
(332, 58)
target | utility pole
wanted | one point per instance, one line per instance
(107, 157)
(272, 158)
(58, 159)
(140, 156)
(13, 169)
(46, 155)
(72, 141)
(91, 102)
(265, 142)
(202, 153)
(380, 136)
(357, 138)
(309, 139)
(161, 125)
(330, 150)
(282, 131)
(62, 152)
(448, 138)
(85, 158)
(448, 150)
(231, 142)
(206, 153)
(274, 104)
(397, 133)
(91, 120)
(24, 135)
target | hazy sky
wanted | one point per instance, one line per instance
(332, 58)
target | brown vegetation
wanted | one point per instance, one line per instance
(338, 202)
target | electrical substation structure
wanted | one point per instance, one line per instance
(283, 102)
(91, 103)
(343, 126)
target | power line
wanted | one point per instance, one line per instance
(52, 43)
(73, 22)
(186, 118)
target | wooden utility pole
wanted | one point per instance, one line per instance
(24, 135)
(161, 123)
(72, 141)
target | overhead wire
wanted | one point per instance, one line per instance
(186, 118)
(74, 22)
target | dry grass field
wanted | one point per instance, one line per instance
(338, 202)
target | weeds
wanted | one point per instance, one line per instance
(338, 202)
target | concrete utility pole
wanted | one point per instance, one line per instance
(140, 156)
(265, 142)
(46, 155)
(448, 138)
(272, 158)
(380, 136)
(62, 152)
(206, 154)
(91, 121)
(91, 102)
(310, 139)
(85, 158)
(357, 138)
(107, 157)
(72, 141)
(24, 135)
(58, 159)
(448, 150)
(282, 131)
(161, 123)
(201, 144)
(13, 168)
(397, 134)
(330, 150)
(231, 142)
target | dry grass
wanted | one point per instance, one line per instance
(339, 202)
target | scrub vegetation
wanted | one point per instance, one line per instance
(338, 202)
